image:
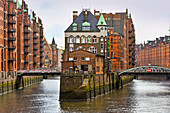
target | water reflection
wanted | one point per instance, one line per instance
(139, 96)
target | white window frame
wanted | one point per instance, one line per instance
(87, 58)
(70, 58)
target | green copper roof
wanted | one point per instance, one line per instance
(128, 17)
(33, 18)
(39, 25)
(101, 21)
(169, 38)
(164, 39)
(86, 24)
(14, 1)
(25, 10)
(18, 4)
(37, 22)
(29, 15)
(74, 25)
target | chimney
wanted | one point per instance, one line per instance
(127, 11)
(75, 14)
(86, 13)
(97, 14)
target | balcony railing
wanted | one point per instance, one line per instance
(12, 59)
(12, 39)
(41, 41)
(35, 37)
(41, 46)
(11, 22)
(26, 51)
(35, 42)
(26, 31)
(35, 31)
(35, 48)
(12, 48)
(35, 54)
(27, 38)
(12, 13)
(27, 45)
(12, 30)
(27, 24)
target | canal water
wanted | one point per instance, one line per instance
(140, 96)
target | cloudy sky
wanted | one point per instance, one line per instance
(151, 17)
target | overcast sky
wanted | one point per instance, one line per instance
(151, 17)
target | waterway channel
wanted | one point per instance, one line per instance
(141, 96)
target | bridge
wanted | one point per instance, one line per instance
(145, 71)
(39, 72)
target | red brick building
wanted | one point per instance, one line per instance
(8, 42)
(30, 38)
(156, 52)
(21, 38)
(50, 54)
(121, 29)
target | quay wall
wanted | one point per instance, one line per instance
(11, 83)
(79, 87)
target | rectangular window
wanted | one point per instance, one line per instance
(87, 58)
(74, 28)
(75, 58)
(82, 58)
(98, 68)
(111, 54)
(111, 47)
(70, 59)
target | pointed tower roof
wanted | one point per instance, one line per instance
(18, 4)
(53, 41)
(101, 21)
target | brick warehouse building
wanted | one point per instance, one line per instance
(89, 36)
(156, 52)
(50, 54)
(123, 26)
(119, 30)
(21, 38)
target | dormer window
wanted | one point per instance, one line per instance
(74, 26)
(86, 26)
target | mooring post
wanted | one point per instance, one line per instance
(94, 85)
(22, 82)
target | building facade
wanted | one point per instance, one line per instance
(88, 35)
(156, 52)
(123, 26)
(16, 38)
(30, 38)
(60, 52)
(50, 54)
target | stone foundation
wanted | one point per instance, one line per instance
(83, 87)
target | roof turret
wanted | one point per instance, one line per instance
(101, 21)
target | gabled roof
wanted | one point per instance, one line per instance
(81, 19)
(101, 21)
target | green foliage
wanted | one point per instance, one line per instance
(108, 45)
(63, 52)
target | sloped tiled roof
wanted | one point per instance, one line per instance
(81, 19)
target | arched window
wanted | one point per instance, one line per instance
(92, 49)
(71, 39)
(94, 39)
(82, 39)
(89, 39)
(77, 39)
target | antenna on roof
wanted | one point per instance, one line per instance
(101, 10)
